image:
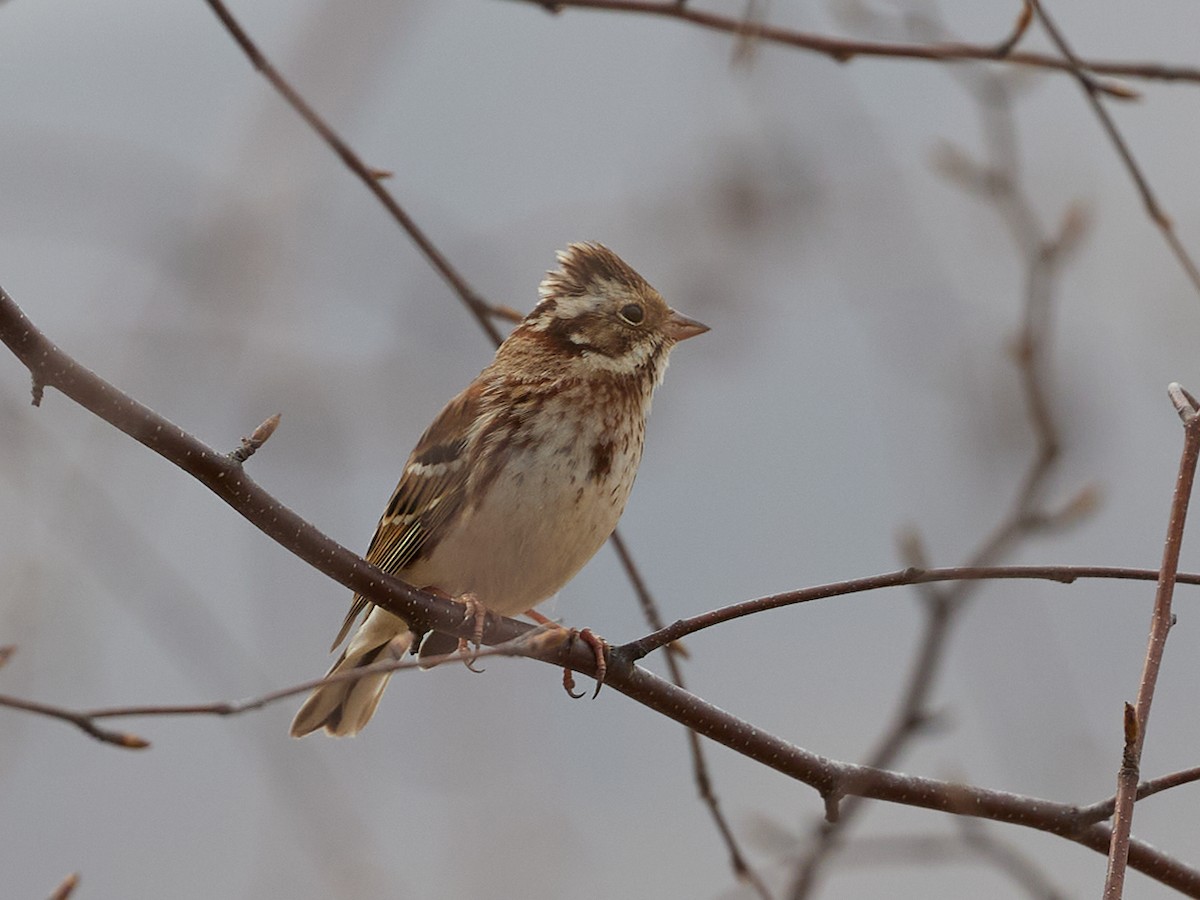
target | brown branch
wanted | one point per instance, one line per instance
(846, 49)
(972, 843)
(1092, 90)
(66, 887)
(997, 181)
(1137, 717)
(480, 309)
(1020, 27)
(1098, 812)
(913, 575)
(742, 869)
(80, 720)
(86, 719)
(51, 367)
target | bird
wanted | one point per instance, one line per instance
(523, 476)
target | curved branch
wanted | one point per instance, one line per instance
(222, 474)
(912, 575)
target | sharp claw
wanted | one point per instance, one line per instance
(599, 649)
(476, 611)
(569, 684)
(469, 655)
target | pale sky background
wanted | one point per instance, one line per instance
(167, 220)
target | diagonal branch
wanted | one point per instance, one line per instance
(480, 308)
(1138, 717)
(50, 367)
(1092, 90)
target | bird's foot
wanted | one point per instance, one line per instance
(468, 648)
(568, 637)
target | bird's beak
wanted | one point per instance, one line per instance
(679, 327)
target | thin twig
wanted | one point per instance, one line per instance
(972, 843)
(998, 182)
(913, 575)
(845, 49)
(86, 719)
(1098, 812)
(1020, 27)
(1138, 717)
(742, 869)
(369, 176)
(66, 887)
(1092, 91)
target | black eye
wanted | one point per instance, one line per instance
(632, 313)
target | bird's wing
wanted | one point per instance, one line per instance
(431, 493)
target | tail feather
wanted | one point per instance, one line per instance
(345, 707)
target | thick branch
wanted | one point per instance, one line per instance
(50, 367)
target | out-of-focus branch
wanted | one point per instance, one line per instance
(742, 869)
(847, 49)
(66, 887)
(997, 181)
(973, 843)
(50, 367)
(1137, 717)
(371, 177)
(1092, 90)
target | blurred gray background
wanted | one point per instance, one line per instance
(167, 220)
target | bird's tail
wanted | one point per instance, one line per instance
(344, 707)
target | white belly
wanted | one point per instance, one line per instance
(542, 518)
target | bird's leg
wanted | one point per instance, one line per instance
(437, 643)
(598, 644)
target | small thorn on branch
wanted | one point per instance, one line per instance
(6, 653)
(833, 804)
(38, 389)
(260, 436)
(66, 887)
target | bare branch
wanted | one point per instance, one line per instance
(830, 778)
(742, 869)
(1138, 717)
(86, 719)
(1098, 812)
(1092, 90)
(369, 176)
(66, 887)
(913, 575)
(845, 49)
(997, 181)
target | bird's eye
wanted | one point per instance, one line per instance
(632, 313)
